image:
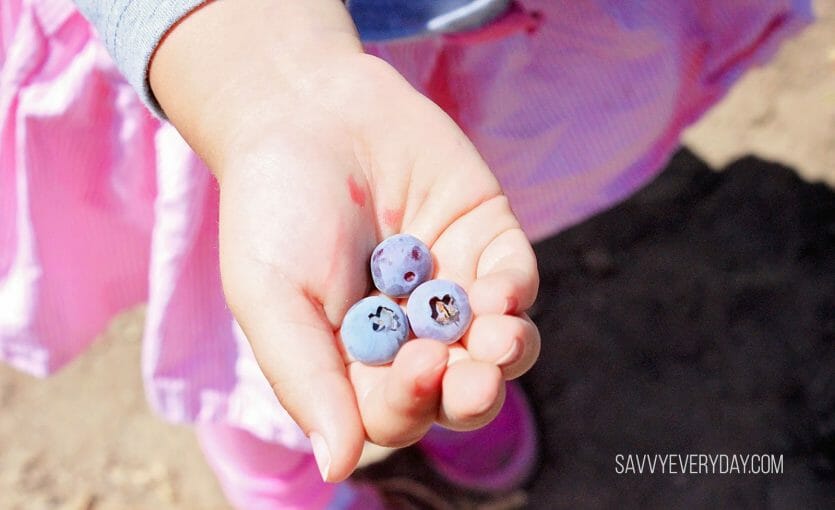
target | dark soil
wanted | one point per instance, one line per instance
(697, 317)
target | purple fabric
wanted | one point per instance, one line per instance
(256, 475)
(496, 458)
(102, 207)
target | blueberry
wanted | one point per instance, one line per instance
(439, 309)
(399, 264)
(374, 329)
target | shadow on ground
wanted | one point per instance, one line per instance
(697, 317)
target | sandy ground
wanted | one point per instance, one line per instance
(783, 112)
(85, 438)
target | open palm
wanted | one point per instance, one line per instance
(300, 214)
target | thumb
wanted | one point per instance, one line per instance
(296, 349)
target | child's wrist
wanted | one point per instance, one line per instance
(233, 63)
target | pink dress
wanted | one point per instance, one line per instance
(574, 104)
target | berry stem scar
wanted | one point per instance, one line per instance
(443, 309)
(384, 319)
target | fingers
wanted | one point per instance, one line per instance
(294, 346)
(488, 253)
(462, 184)
(399, 403)
(460, 247)
(428, 382)
(502, 277)
(472, 395)
(507, 279)
(512, 343)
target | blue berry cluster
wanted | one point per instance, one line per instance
(375, 327)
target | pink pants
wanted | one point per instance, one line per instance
(256, 475)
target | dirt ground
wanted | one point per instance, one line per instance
(698, 317)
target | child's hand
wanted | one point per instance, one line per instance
(318, 159)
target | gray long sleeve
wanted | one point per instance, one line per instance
(131, 29)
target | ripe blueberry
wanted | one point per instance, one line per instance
(399, 264)
(374, 329)
(439, 309)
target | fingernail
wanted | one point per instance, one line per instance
(321, 454)
(511, 355)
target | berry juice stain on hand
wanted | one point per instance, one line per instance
(392, 218)
(356, 192)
